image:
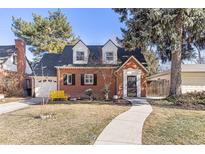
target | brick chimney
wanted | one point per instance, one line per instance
(21, 58)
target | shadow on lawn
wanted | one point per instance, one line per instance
(121, 103)
(20, 115)
(167, 104)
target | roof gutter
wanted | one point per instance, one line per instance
(87, 67)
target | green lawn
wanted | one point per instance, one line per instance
(70, 123)
(170, 125)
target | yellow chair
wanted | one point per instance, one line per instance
(58, 94)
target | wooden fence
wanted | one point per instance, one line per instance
(158, 88)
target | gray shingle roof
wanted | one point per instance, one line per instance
(6, 52)
(46, 66)
(49, 61)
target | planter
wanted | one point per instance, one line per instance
(73, 99)
(115, 97)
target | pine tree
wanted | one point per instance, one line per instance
(45, 34)
(171, 31)
(152, 62)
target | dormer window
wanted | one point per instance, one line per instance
(80, 53)
(80, 56)
(109, 53)
(109, 56)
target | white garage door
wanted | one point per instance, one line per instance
(44, 86)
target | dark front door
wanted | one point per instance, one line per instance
(131, 86)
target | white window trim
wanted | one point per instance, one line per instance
(83, 55)
(132, 72)
(67, 79)
(91, 76)
(107, 60)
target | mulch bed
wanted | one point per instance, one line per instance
(118, 102)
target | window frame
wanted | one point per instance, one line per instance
(14, 59)
(67, 79)
(83, 59)
(107, 57)
(89, 78)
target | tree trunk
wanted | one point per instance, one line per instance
(176, 59)
(175, 78)
(200, 61)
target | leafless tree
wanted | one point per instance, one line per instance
(10, 84)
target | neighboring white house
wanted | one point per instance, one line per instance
(13, 61)
(8, 59)
(11, 65)
(193, 77)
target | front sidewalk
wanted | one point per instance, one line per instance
(13, 106)
(127, 127)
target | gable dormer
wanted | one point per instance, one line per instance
(109, 53)
(80, 53)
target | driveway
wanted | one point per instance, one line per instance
(13, 106)
(127, 127)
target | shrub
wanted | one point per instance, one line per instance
(190, 98)
(89, 93)
(10, 85)
(106, 90)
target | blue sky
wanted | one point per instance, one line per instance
(94, 26)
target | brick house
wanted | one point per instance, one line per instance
(13, 62)
(82, 66)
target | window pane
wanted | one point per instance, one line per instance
(14, 59)
(109, 56)
(65, 79)
(88, 78)
(79, 55)
(70, 79)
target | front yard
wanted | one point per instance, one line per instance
(10, 99)
(70, 123)
(170, 124)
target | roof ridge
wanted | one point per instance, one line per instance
(86, 45)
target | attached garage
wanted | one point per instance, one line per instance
(43, 86)
(45, 75)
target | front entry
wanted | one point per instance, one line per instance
(131, 86)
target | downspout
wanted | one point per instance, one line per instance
(58, 84)
(33, 86)
(116, 83)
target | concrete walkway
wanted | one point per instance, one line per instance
(127, 127)
(13, 106)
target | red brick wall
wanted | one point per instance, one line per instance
(21, 64)
(104, 76)
(21, 59)
(134, 65)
